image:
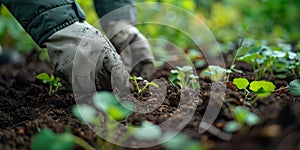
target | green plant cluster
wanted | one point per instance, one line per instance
(184, 77)
(215, 73)
(279, 60)
(260, 89)
(51, 80)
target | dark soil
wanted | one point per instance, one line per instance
(26, 107)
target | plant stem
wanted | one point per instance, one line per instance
(82, 143)
(50, 90)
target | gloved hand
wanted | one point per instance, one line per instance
(132, 46)
(84, 50)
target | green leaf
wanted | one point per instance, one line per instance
(295, 87)
(241, 83)
(250, 58)
(154, 84)
(52, 78)
(121, 111)
(193, 76)
(232, 126)
(180, 142)
(195, 85)
(240, 113)
(104, 100)
(147, 131)
(43, 76)
(48, 140)
(85, 113)
(262, 88)
(116, 113)
(252, 119)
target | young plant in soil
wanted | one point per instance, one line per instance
(184, 77)
(295, 87)
(116, 111)
(243, 120)
(215, 73)
(280, 60)
(147, 83)
(260, 89)
(46, 139)
(232, 66)
(51, 80)
(180, 142)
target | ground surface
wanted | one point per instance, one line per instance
(25, 107)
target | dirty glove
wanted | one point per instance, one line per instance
(82, 53)
(132, 46)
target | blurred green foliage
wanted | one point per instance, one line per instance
(229, 20)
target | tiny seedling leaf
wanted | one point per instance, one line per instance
(241, 83)
(295, 87)
(180, 142)
(147, 131)
(240, 113)
(232, 126)
(104, 100)
(43, 76)
(154, 84)
(48, 140)
(85, 113)
(252, 119)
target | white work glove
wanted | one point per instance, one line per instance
(132, 46)
(95, 57)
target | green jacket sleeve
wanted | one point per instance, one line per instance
(109, 10)
(42, 18)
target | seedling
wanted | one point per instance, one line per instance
(295, 87)
(57, 141)
(147, 131)
(215, 73)
(147, 83)
(184, 77)
(243, 120)
(115, 110)
(180, 142)
(51, 80)
(232, 66)
(261, 89)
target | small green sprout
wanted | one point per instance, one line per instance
(260, 88)
(147, 83)
(147, 131)
(116, 110)
(51, 80)
(184, 77)
(243, 120)
(215, 73)
(57, 141)
(295, 87)
(180, 141)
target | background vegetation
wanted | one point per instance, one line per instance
(229, 20)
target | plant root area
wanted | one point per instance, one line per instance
(26, 107)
